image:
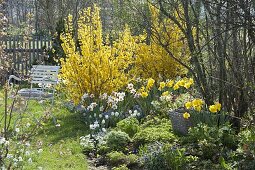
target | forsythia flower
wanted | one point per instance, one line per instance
(162, 85)
(188, 105)
(186, 115)
(144, 94)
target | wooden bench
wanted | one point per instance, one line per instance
(46, 78)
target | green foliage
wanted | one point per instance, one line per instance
(174, 157)
(247, 142)
(122, 167)
(208, 141)
(132, 159)
(129, 125)
(116, 158)
(164, 157)
(150, 132)
(117, 140)
(56, 52)
(245, 154)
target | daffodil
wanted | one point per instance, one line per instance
(191, 81)
(181, 82)
(144, 94)
(150, 83)
(218, 106)
(187, 85)
(165, 93)
(170, 83)
(198, 108)
(186, 115)
(162, 85)
(188, 105)
(197, 102)
(213, 108)
(176, 86)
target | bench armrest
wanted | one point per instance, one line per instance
(13, 77)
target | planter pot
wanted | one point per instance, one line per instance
(179, 124)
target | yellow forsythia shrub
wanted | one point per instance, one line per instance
(96, 67)
(153, 60)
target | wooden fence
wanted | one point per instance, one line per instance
(25, 51)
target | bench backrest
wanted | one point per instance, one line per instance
(44, 74)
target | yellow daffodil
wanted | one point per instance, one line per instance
(198, 108)
(218, 106)
(197, 102)
(144, 94)
(213, 108)
(191, 81)
(186, 115)
(170, 83)
(176, 86)
(165, 93)
(187, 85)
(142, 89)
(162, 85)
(181, 82)
(188, 105)
(150, 83)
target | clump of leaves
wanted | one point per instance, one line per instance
(129, 125)
(117, 140)
(150, 132)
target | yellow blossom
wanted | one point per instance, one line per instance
(213, 108)
(144, 94)
(170, 83)
(197, 102)
(187, 85)
(176, 86)
(188, 105)
(181, 82)
(162, 85)
(217, 105)
(165, 93)
(150, 83)
(198, 108)
(142, 89)
(191, 81)
(186, 115)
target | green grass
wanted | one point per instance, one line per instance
(60, 144)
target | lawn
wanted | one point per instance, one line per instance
(54, 145)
